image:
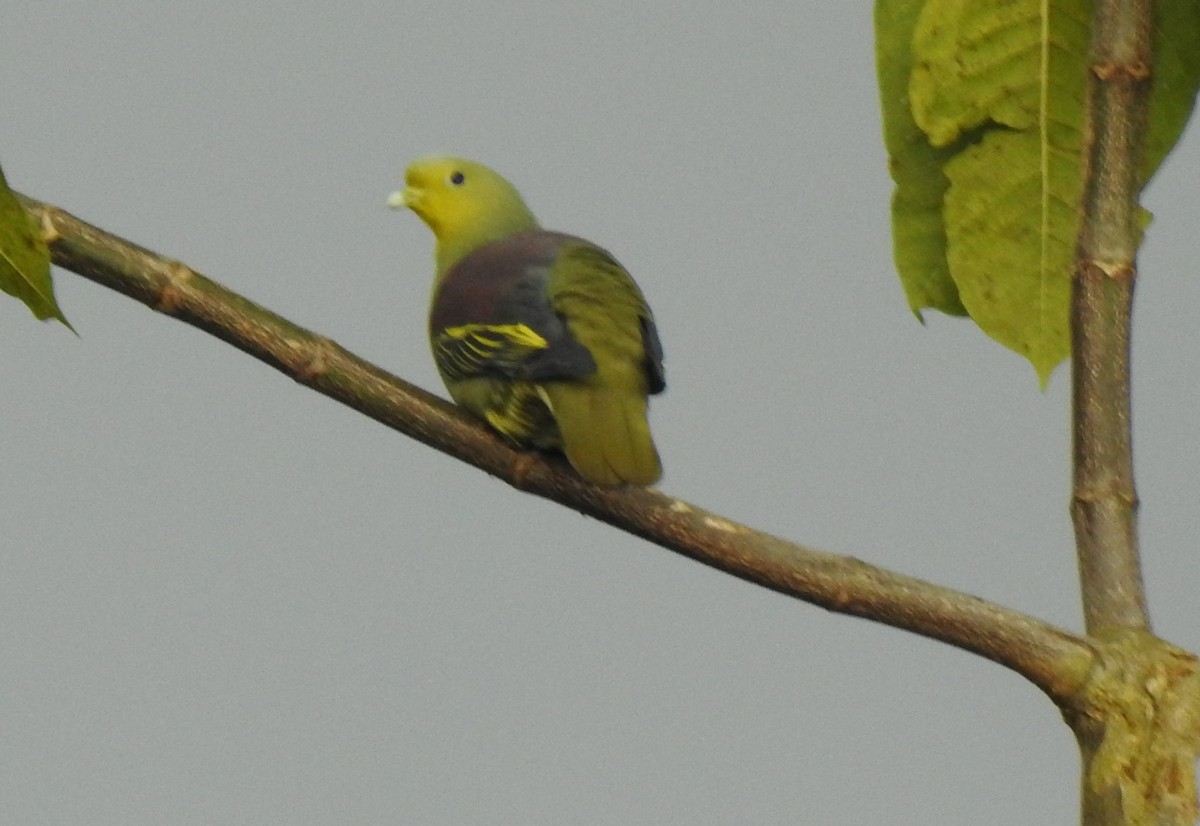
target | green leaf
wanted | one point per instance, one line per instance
(983, 121)
(918, 232)
(24, 259)
(1176, 78)
(1012, 240)
(1012, 74)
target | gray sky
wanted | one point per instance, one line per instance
(227, 599)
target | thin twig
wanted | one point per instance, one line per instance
(1053, 659)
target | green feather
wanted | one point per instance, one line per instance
(604, 431)
(602, 418)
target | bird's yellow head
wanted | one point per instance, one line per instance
(464, 203)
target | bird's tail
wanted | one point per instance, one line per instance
(604, 430)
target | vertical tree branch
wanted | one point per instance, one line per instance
(1137, 723)
(1104, 502)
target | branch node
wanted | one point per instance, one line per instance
(1138, 719)
(1114, 269)
(1133, 71)
(523, 466)
(316, 361)
(723, 525)
(50, 233)
(170, 296)
(1114, 489)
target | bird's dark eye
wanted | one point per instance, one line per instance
(457, 178)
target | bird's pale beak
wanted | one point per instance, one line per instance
(403, 198)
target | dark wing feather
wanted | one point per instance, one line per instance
(491, 315)
(654, 357)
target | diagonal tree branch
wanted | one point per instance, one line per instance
(1055, 660)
